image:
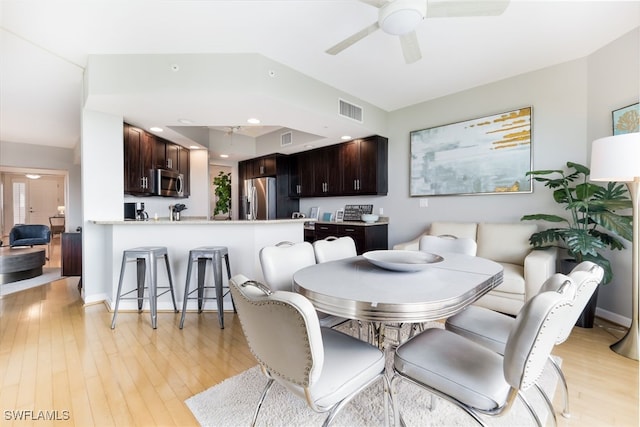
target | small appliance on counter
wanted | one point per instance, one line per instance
(135, 212)
(129, 211)
(141, 215)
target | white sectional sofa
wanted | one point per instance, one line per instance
(525, 270)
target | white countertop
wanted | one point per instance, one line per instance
(196, 221)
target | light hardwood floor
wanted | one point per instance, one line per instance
(58, 355)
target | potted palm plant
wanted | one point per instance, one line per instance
(223, 194)
(591, 224)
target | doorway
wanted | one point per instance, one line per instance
(33, 200)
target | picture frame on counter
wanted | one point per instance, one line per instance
(340, 215)
(314, 213)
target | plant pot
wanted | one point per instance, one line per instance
(589, 312)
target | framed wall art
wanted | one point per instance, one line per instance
(626, 119)
(487, 155)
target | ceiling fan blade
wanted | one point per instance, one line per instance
(353, 39)
(410, 47)
(447, 9)
(375, 3)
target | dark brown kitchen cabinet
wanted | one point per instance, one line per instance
(264, 166)
(326, 171)
(144, 152)
(301, 174)
(367, 237)
(364, 166)
(167, 155)
(261, 166)
(357, 167)
(71, 258)
(71, 244)
(184, 168)
(138, 161)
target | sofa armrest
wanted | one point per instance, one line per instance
(539, 265)
(412, 245)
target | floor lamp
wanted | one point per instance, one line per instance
(617, 158)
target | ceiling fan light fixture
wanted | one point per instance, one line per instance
(402, 16)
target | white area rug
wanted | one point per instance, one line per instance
(232, 403)
(48, 275)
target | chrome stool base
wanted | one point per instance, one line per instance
(201, 255)
(146, 258)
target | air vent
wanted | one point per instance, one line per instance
(286, 139)
(350, 111)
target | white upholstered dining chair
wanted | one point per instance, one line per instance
(334, 248)
(324, 367)
(479, 380)
(280, 261)
(491, 329)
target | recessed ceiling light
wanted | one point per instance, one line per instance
(345, 137)
(155, 129)
(253, 121)
(32, 176)
(224, 156)
(185, 121)
(194, 147)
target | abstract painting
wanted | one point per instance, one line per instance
(488, 155)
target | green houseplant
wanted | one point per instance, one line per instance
(223, 193)
(592, 223)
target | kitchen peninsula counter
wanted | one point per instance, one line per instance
(244, 239)
(200, 221)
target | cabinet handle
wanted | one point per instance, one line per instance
(350, 230)
(261, 170)
(299, 188)
(170, 163)
(357, 184)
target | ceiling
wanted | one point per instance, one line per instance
(45, 45)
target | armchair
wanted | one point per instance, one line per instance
(29, 235)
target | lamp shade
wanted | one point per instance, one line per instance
(616, 158)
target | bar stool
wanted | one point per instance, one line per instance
(202, 255)
(146, 258)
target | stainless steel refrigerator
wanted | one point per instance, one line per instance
(259, 200)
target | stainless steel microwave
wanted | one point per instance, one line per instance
(168, 183)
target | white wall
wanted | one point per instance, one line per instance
(102, 197)
(572, 104)
(614, 82)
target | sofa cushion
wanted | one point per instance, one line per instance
(505, 242)
(458, 229)
(512, 280)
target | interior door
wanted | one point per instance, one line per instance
(44, 197)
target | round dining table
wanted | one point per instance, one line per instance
(354, 288)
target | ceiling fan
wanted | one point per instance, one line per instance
(402, 17)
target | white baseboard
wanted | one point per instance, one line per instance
(613, 317)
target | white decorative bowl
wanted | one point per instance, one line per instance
(369, 218)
